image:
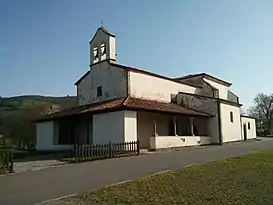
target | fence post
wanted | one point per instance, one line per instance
(137, 146)
(110, 149)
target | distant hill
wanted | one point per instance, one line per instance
(13, 105)
(16, 112)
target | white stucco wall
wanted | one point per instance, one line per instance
(112, 79)
(117, 126)
(154, 88)
(112, 47)
(46, 137)
(213, 129)
(130, 126)
(223, 90)
(159, 142)
(251, 133)
(231, 131)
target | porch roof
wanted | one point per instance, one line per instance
(127, 103)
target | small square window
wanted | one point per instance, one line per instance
(248, 125)
(99, 91)
(231, 116)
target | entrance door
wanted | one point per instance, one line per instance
(245, 132)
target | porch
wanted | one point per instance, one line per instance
(156, 130)
(155, 124)
(61, 134)
(153, 130)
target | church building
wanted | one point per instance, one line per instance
(120, 103)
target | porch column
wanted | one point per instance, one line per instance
(174, 124)
(155, 131)
(191, 126)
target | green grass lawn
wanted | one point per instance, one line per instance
(241, 180)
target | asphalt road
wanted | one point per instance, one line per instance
(32, 187)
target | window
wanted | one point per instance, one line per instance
(103, 48)
(248, 125)
(231, 116)
(95, 52)
(99, 91)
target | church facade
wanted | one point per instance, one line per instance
(121, 103)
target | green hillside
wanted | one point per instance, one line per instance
(16, 114)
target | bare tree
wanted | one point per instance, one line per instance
(263, 110)
(52, 109)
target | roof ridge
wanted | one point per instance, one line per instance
(204, 75)
(157, 75)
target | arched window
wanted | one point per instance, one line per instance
(103, 48)
(95, 52)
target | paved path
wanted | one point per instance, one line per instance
(35, 165)
(32, 187)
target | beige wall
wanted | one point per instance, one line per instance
(251, 133)
(46, 137)
(108, 127)
(120, 126)
(113, 81)
(206, 89)
(231, 131)
(150, 87)
(213, 129)
(223, 90)
(130, 126)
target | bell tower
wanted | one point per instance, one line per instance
(102, 46)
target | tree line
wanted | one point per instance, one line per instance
(262, 110)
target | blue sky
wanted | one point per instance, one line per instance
(44, 44)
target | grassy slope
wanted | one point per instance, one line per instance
(15, 106)
(241, 180)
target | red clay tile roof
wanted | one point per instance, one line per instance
(210, 77)
(101, 106)
(152, 105)
(129, 103)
